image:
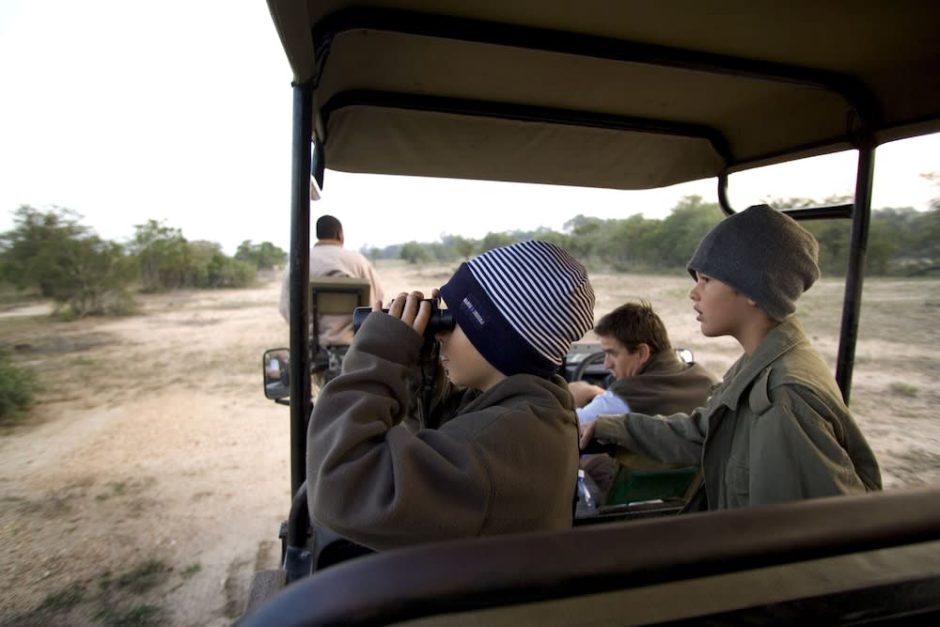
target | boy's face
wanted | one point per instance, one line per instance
(619, 359)
(721, 309)
(464, 364)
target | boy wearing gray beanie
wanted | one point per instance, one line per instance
(776, 428)
(384, 478)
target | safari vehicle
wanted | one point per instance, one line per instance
(623, 95)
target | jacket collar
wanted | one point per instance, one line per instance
(663, 362)
(783, 338)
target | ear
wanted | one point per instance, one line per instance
(645, 353)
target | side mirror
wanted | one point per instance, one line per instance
(275, 367)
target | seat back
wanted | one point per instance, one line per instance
(641, 478)
(338, 295)
(334, 296)
(632, 486)
(841, 560)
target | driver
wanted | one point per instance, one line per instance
(329, 258)
(505, 436)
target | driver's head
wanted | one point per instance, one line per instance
(521, 306)
(329, 227)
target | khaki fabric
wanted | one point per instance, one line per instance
(885, 61)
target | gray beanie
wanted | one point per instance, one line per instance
(763, 254)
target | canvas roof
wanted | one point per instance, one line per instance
(622, 94)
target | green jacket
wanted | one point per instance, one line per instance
(500, 461)
(776, 429)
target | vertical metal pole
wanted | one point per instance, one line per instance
(854, 278)
(300, 404)
(723, 201)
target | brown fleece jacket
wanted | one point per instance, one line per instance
(505, 462)
(666, 386)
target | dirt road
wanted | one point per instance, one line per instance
(150, 481)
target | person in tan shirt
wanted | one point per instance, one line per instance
(329, 258)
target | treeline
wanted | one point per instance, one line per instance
(51, 254)
(902, 242)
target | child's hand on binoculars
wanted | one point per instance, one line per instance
(411, 309)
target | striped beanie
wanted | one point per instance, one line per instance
(521, 306)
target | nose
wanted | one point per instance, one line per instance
(608, 362)
(694, 293)
(442, 335)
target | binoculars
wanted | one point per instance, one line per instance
(440, 320)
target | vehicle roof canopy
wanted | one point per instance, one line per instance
(622, 94)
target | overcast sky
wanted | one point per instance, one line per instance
(180, 110)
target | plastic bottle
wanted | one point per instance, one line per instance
(587, 504)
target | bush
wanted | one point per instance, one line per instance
(51, 252)
(169, 261)
(18, 386)
(261, 256)
(113, 302)
(228, 272)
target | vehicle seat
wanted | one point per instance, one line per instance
(640, 478)
(332, 296)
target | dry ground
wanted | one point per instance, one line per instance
(149, 483)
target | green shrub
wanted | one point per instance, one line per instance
(50, 252)
(260, 256)
(225, 271)
(169, 261)
(18, 387)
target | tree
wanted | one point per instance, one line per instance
(691, 219)
(168, 261)
(562, 240)
(50, 251)
(495, 240)
(208, 266)
(162, 255)
(262, 256)
(31, 251)
(463, 246)
(925, 247)
(927, 239)
(413, 252)
(633, 243)
(96, 273)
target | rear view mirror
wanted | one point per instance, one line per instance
(276, 373)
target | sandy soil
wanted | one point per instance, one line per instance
(149, 483)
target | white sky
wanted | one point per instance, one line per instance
(180, 110)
